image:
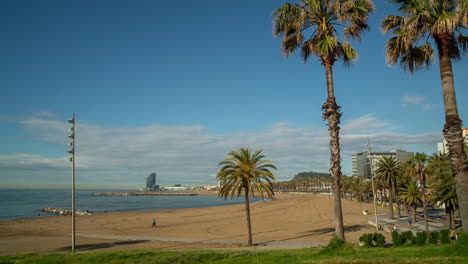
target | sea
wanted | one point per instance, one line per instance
(18, 204)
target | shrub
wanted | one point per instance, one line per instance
(370, 240)
(421, 238)
(379, 239)
(335, 246)
(397, 239)
(408, 237)
(462, 242)
(445, 236)
(366, 239)
(434, 237)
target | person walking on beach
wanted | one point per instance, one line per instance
(154, 222)
(410, 222)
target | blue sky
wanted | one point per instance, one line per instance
(172, 86)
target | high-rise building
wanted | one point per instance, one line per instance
(364, 165)
(151, 181)
(442, 147)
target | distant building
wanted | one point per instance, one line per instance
(176, 187)
(364, 165)
(151, 182)
(442, 147)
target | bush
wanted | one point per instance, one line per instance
(379, 239)
(366, 239)
(408, 237)
(421, 238)
(397, 239)
(445, 236)
(434, 237)
(375, 239)
(335, 246)
(462, 242)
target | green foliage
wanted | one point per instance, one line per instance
(404, 238)
(421, 238)
(337, 246)
(461, 244)
(445, 236)
(434, 237)
(302, 176)
(397, 239)
(375, 239)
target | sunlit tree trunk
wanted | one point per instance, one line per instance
(247, 211)
(453, 127)
(390, 201)
(331, 112)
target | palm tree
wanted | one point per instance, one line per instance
(442, 21)
(443, 185)
(387, 171)
(419, 164)
(411, 195)
(244, 171)
(320, 19)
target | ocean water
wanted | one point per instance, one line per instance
(17, 204)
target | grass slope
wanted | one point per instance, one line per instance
(427, 254)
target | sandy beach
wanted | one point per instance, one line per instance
(288, 221)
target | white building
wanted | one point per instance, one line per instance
(364, 165)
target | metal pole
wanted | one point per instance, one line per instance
(73, 181)
(373, 186)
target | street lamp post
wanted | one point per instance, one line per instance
(72, 160)
(369, 157)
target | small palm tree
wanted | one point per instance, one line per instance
(419, 164)
(320, 20)
(443, 21)
(387, 171)
(247, 172)
(411, 195)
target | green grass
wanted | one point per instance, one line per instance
(432, 254)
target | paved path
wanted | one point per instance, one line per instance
(276, 244)
(436, 222)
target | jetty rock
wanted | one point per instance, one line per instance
(61, 211)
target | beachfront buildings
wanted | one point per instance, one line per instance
(442, 147)
(364, 165)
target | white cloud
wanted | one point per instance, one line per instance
(190, 154)
(416, 100)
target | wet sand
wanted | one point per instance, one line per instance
(290, 220)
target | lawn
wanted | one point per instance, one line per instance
(432, 254)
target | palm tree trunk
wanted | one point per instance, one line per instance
(398, 208)
(453, 127)
(423, 190)
(331, 112)
(247, 211)
(390, 201)
(414, 212)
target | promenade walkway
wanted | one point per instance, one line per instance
(436, 222)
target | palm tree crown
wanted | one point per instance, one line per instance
(441, 20)
(245, 171)
(388, 170)
(319, 20)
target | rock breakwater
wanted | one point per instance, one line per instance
(61, 211)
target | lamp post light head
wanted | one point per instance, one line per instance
(70, 159)
(72, 151)
(71, 144)
(71, 121)
(72, 135)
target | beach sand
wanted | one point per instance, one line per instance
(288, 221)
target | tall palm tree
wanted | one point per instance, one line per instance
(387, 171)
(247, 172)
(419, 164)
(443, 185)
(411, 194)
(312, 26)
(443, 22)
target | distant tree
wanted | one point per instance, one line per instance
(246, 172)
(312, 27)
(387, 171)
(418, 163)
(443, 185)
(411, 194)
(443, 21)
